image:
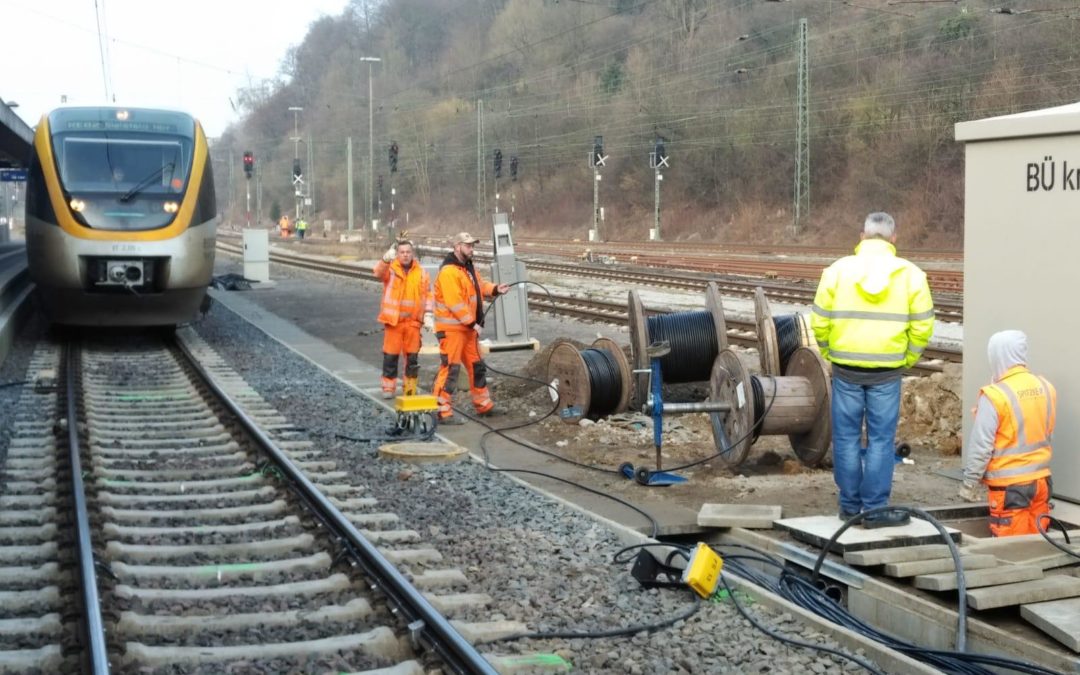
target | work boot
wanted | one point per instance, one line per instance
(846, 516)
(493, 411)
(451, 420)
(886, 519)
(387, 394)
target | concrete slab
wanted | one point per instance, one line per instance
(750, 516)
(1053, 587)
(881, 556)
(817, 530)
(917, 567)
(1060, 619)
(1028, 549)
(993, 576)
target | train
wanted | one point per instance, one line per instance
(121, 217)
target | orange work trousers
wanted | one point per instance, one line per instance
(460, 349)
(1015, 509)
(398, 341)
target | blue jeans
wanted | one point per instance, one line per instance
(865, 481)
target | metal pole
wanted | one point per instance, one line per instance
(656, 206)
(297, 192)
(248, 201)
(349, 179)
(368, 192)
(310, 191)
(596, 202)
(370, 141)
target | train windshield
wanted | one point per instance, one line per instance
(128, 174)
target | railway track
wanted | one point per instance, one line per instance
(750, 261)
(739, 332)
(220, 537)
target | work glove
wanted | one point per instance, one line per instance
(479, 330)
(429, 322)
(390, 254)
(969, 492)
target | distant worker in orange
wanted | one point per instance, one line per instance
(1009, 448)
(406, 302)
(284, 225)
(459, 321)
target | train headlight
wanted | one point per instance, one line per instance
(170, 207)
(122, 115)
(78, 205)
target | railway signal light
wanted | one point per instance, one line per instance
(297, 171)
(393, 156)
(597, 152)
(659, 157)
(498, 163)
(249, 163)
(513, 168)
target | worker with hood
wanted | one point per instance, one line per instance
(1010, 447)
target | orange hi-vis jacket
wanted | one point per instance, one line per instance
(406, 294)
(1026, 406)
(458, 291)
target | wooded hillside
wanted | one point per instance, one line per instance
(716, 79)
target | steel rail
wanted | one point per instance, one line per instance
(94, 626)
(426, 624)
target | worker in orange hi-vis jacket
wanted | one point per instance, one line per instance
(459, 321)
(406, 303)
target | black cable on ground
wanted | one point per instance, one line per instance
(614, 632)
(1061, 526)
(14, 384)
(961, 584)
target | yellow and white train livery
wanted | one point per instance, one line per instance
(120, 216)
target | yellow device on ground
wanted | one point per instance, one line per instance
(416, 414)
(416, 403)
(702, 573)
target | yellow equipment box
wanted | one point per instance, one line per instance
(416, 403)
(702, 573)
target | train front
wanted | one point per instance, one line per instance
(120, 217)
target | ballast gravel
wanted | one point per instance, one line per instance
(545, 565)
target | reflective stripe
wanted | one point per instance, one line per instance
(994, 520)
(821, 312)
(1021, 449)
(408, 302)
(859, 356)
(919, 316)
(1017, 470)
(873, 316)
(915, 349)
(460, 305)
(823, 344)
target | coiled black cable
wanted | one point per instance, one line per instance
(758, 393)
(692, 336)
(605, 382)
(788, 337)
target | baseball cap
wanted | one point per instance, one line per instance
(464, 238)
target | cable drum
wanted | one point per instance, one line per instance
(695, 339)
(693, 344)
(591, 383)
(779, 337)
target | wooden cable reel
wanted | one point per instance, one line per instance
(796, 404)
(569, 374)
(640, 339)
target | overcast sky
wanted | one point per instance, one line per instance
(190, 55)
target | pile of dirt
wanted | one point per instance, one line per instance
(930, 411)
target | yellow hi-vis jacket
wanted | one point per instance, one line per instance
(1026, 406)
(873, 309)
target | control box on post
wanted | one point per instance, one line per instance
(511, 313)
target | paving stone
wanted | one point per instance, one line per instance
(917, 567)
(817, 530)
(881, 556)
(1053, 587)
(750, 516)
(1030, 549)
(1060, 619)
(993, 576)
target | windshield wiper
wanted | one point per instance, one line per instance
(145, 182)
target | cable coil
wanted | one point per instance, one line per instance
(605, 382)
(692, 337)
